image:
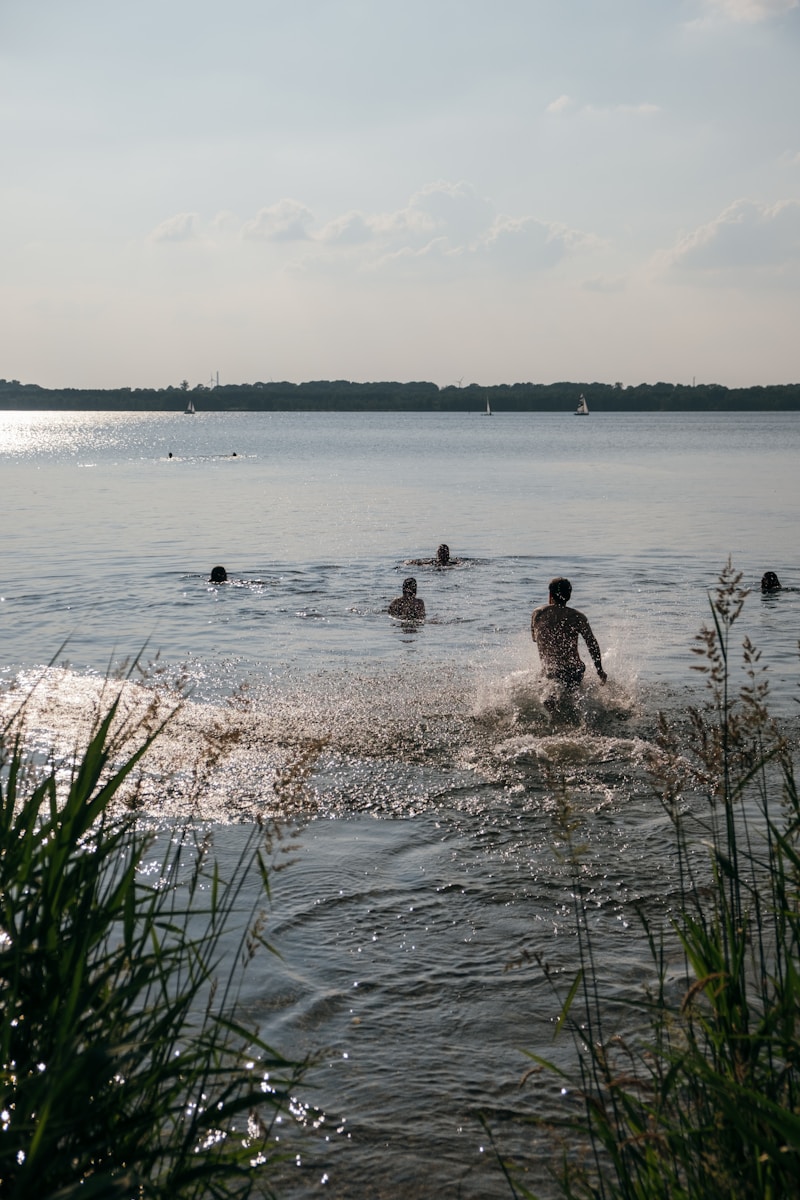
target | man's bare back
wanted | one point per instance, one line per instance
(556, 628)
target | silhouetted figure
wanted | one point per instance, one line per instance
(442, 559)
(218, 575)
(556, 629)
(770, 582)
(408, 606)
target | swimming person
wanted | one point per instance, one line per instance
(442, 559)
(556, 629)
(770, 582)
(218, 575)
(408, 606)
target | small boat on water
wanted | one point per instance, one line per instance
(488, 412)
(189, 411)
(583, 408)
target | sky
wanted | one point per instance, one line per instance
(459, 191)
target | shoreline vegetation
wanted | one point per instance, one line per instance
(128, 1065)
(345, 396)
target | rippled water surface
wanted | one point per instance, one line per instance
(427, 855)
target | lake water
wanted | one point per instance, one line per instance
(426, 854)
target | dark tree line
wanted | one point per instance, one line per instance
(343, 396)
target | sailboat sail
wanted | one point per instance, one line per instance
(583, 408)
(488, 412)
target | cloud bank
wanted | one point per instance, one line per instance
(442, 223)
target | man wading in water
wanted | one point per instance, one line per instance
(556, 629)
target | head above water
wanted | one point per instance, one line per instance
(560, 590)
(770, 582)
(410, 586)
(218, 575)
(443, 554)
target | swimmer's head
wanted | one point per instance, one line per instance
(218, 575)
(770, 582)
(410, 586)
(443, 555)
(560, 590)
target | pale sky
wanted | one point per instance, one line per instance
(476, 191)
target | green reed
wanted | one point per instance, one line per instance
(706, 1101)
(125, 1068)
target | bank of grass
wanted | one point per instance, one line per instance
(125, 1069)
(706, 1103)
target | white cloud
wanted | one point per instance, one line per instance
(180, 228)
(527, 243)
(350, 229)
(753, 11)
(561, 104)
(455, 209)
(286, 221)
(565, 104)
(441, 218)
(745, 235)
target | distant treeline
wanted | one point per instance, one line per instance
(343, 396)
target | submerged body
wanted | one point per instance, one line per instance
(442, 559)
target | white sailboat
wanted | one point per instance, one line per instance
(583, 408)
(488, 412)
(189, 411)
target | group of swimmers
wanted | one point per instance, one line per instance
(555, 627)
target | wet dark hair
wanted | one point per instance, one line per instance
(410, 586)
(443, 554)
(560, 589)
(770, 582)
(218, 575)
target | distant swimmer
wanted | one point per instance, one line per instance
(442, 559)
(408, 606)
(218, 575)
(556, 629)
(770, 584)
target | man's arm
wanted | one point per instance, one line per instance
(593, 648)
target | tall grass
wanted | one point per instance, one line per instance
(124, 1067)
(706, 1103)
